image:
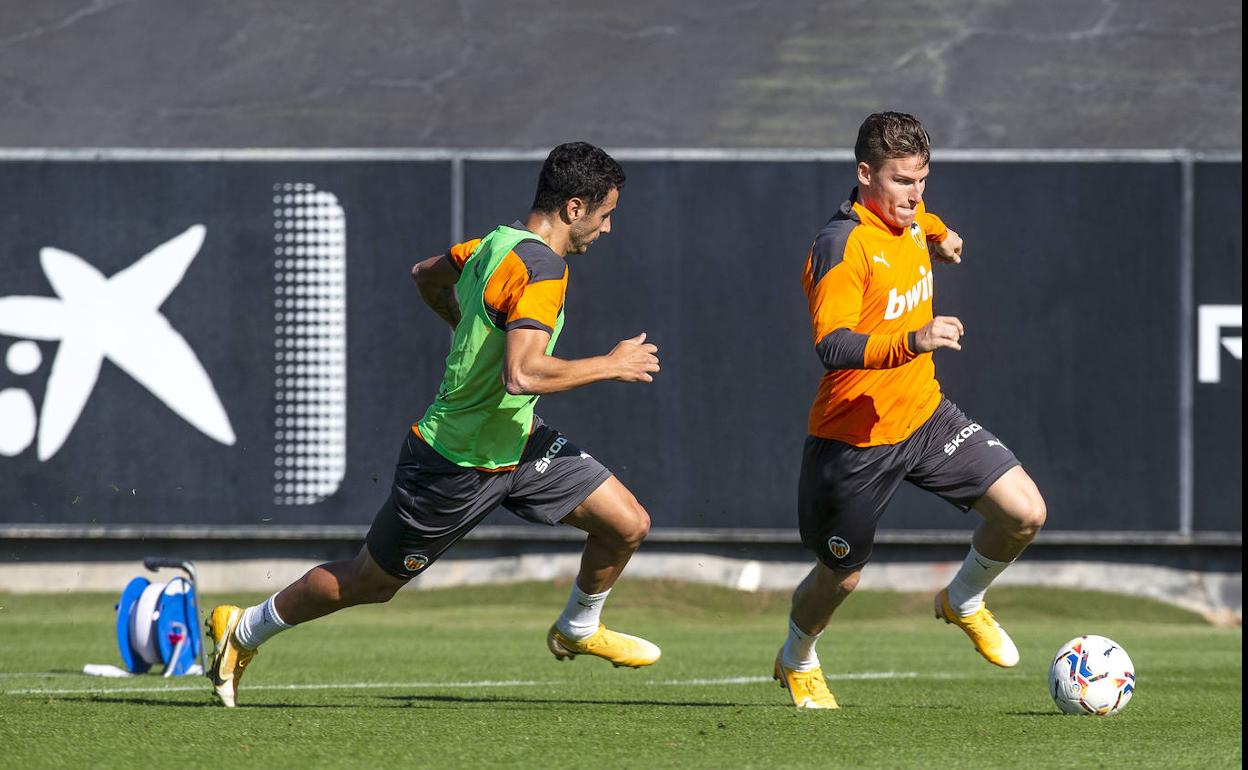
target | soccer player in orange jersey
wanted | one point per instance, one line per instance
(880, 418)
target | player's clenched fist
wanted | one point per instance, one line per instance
(635, 359)
(948, 250)
(943, 331)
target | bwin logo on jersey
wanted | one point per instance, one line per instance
(544, 463)
(963, 435)
(920, 292)
(94, 318)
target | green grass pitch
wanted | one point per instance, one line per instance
(462, 678)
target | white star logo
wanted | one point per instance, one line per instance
(117, 318)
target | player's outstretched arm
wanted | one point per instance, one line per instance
(943, 331)
(436, 278)
(527, 370)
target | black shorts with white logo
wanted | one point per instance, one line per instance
(434, 502)
(844, 489)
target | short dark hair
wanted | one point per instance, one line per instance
(887, 135)
(576, 170)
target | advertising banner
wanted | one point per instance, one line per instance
(238, 342)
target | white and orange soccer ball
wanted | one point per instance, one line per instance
(1091, 675)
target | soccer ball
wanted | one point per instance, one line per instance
(1091, 675)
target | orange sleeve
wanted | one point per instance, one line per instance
(933, 227)
(518, 296)
(887, 351)
(460, 252)
(539, 304)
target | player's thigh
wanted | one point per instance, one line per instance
(432, 504)
(953, 456)
(1013, 502)
(842, 492)
(555, 478)
(611, 511)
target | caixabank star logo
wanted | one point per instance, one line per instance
(93, 318)
(195, 352)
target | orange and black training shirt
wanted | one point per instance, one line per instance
(869, 288)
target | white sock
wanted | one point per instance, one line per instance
(259, 624)
(966, 590)
(799, 650)
(580, 617)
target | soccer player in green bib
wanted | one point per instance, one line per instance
(480, 445)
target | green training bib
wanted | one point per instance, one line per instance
(474, 421)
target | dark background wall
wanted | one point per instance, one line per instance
(1073, 302)
(1218, 407)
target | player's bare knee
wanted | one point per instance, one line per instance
(382, 593)
(1040, 513)
(1032, 516)
(634, 532)
(364, 583)
(842, 582)
(369, 592)
(848, 581)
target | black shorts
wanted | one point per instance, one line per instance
(435, 502)
(844, 489)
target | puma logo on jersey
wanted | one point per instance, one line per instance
(899, 304)
(881, 260)
(994, 442)
(963, 435)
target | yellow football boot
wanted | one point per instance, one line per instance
(228, 659)
(808, 689)
(986, 633)
(620, 649)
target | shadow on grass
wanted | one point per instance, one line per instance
(199, 703)
(1035, 714)
(412, 700)
(408, 701)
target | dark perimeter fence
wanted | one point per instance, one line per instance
(227, 344)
